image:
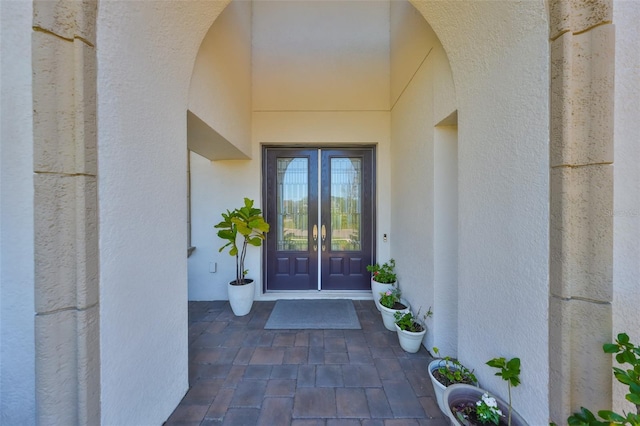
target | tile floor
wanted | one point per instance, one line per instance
(241, 374)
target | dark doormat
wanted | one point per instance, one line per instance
(313, 314)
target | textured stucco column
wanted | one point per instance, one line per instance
(582, 70)
(66, 211)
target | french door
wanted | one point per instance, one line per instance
(320, 205)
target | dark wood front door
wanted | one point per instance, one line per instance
(320, 204)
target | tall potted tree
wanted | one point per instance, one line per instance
(249, 223)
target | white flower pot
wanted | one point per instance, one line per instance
(438, 387)
(377, 288)
(410, 341)
(388, 315)
(459, 393)
(241, 297)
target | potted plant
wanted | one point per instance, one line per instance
(383, 278)
(411, 330)
(247, 221)
(390, 303)
(471, 405)
(626, 353)
(445, 372)
(510, 372)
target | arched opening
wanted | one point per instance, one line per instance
(499, 57)
(145, 128)
(305, 85)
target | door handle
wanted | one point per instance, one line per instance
(314, 233)
(324, 236)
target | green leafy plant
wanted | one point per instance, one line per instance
(452, 372)
(509, 371)
(249, 223)
(626, 353)
(409, 322)
(383, 274)
(390, 297)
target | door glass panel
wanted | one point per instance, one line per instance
(292, 211)
(346, 194)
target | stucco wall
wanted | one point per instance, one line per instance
(220, 92)
(310, 56)
(142, 197)
(17, 351)
(626, 213)
(498, 53)
(420, 75)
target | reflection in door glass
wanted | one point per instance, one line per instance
(346, 191)
(292, 204)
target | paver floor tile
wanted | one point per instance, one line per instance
(430, 406)
(241, 374)
(307, 376)
(364, 376)
(378, 403)
(276, 411)
(284, 372)
(277, 387)
(336, 358)
(308, 422)
(241, 416)
(314, 402)
(267, 356)
(257, 372)
(249, 393)
(352, 402)
(297, 355)
(402, 399)
(329, 376)
(388, 368)
(203, 391)
(188, 413)
(220, 405)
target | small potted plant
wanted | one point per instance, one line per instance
(383, 278)
(390, 303)
(411, 330)
(471, 405)
(445, 372)
(245, 222)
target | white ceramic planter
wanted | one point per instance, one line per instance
(460, 393)
(410, 341)
(438, 387)
(377, 288)
(388, 315)
(241, 297)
